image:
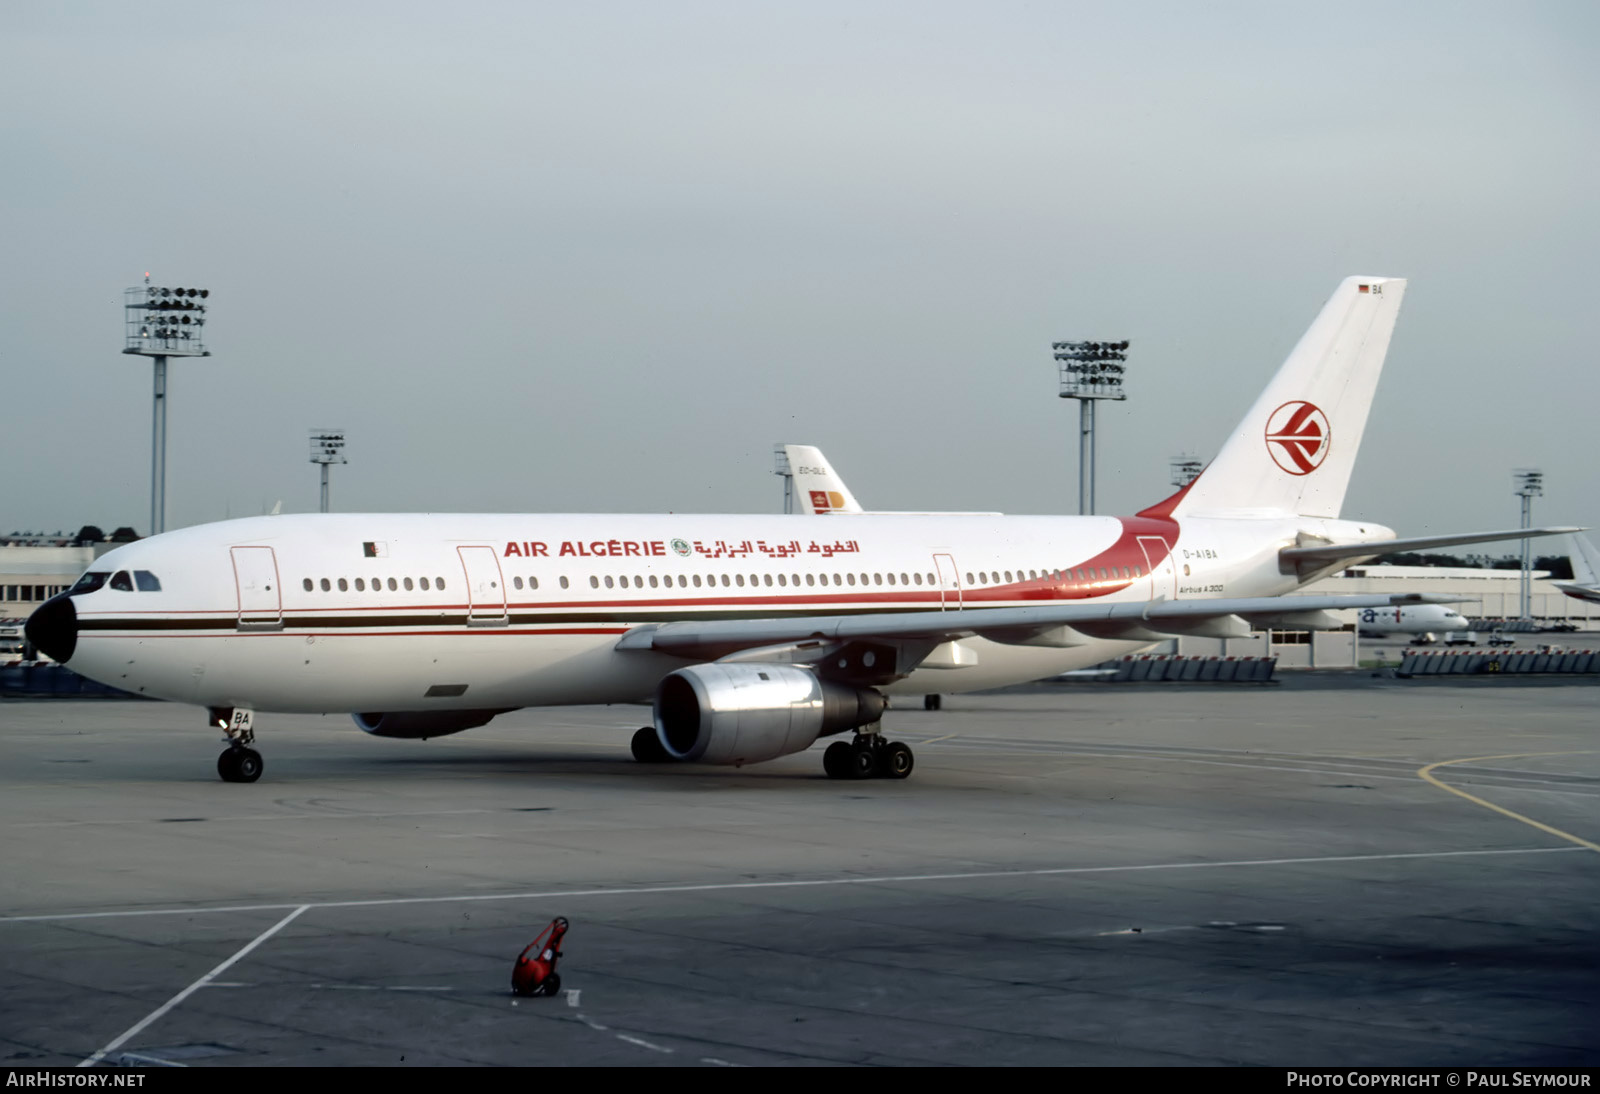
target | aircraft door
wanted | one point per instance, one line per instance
(1158, 563)
(255, 576)
(486, 587)
(949, 582)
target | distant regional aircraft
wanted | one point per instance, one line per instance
(1412, 619)
(754, 635)
(821, 492)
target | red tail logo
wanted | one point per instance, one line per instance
(1298, 437)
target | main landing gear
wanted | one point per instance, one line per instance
(869, 756)
(239, 763)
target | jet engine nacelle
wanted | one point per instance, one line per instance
(746, 713)
(415, 724)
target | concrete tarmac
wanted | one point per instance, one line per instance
(1086, 874)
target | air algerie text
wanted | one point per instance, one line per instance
(597, 548)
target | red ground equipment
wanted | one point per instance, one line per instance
(537, 975)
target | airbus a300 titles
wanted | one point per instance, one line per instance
(753, 636)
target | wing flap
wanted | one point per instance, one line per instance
(714, 638)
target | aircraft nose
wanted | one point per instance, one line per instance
(53, 629)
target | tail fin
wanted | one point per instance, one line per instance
(1295, 449)
(1585, 561)
(817, 488)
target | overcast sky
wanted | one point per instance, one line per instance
(602, 256)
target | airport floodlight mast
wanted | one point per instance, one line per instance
(1090, 371)
(1530, 485)
(1185, 469)
(781, 468)
(327, 447)
(160, 323)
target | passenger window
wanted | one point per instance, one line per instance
(410, 585)
(739, 579)
(638, 582)
(653, 581)
(393, 585)
(306, 584)
(438, 583)
(852, 578)
(767, 579)
(563, 582)
(344, 586)
(969, 577)
(725, 581)
(696, 581)
(327, 586)
(361, 586)
(891, 579)
(811, 579)
(1008, 577)
(146, 581)
(609, 583)
(516, 582)
(918, 578)
(783, 579)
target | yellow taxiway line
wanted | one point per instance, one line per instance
(1426, 773)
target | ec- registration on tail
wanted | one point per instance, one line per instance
(1294, 450)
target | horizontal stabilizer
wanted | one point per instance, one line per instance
(1332, 552)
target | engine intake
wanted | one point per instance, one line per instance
(420, 724)
(746, 713)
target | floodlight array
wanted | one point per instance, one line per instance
(1185, 469)
(327, 446)
(1091, 370)
(1530, 483)
(163, 320)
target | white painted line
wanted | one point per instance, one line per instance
(192, 988)
(573, 995)
(733, 886)
(642, 1043)
(592, 1024)
(714, 1062)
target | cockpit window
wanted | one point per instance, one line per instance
(121, 582)
(147, 581)
(88, 583)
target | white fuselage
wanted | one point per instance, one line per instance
(352, 613)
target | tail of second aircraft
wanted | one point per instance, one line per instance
(1295, 449)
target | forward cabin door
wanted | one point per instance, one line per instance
(255, 576)
(486, 587)
(1158, 564)
(949, 582)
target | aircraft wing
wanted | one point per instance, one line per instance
(1056, 625)
(1333, 552)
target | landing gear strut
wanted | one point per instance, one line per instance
(932, 702)
(239, 763)
(869, 756)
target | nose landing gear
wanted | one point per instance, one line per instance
(239, 763)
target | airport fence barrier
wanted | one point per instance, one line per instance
(44, 680)
(1505, 662)
(1156, 666)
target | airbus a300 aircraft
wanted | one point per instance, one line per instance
(756, 635)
